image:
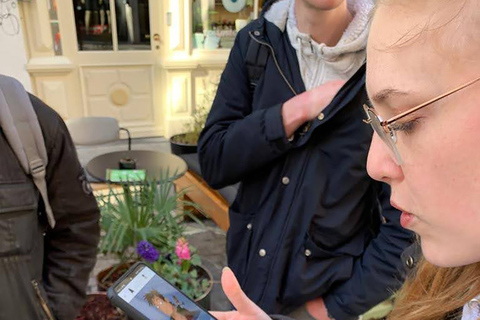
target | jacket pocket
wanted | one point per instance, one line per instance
(239, 237)
(314, 252)
(20, 228)
(42, 300)
(16, 197)
(313, 272)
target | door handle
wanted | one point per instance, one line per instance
(156, 38)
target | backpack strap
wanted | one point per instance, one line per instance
(22, 130)
(255, 62)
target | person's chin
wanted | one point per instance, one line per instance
(437, 260)
(442, 256)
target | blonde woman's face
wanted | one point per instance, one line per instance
(438, 184)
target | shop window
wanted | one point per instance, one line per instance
(133, 24)
(94, 18)
(216, 22)
(93, 22)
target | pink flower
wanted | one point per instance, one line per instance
(182, 250)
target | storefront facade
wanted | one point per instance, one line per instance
(147, 63)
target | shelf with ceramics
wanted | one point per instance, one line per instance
(216, 22)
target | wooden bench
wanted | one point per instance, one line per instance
(211, 202)
(214, 204)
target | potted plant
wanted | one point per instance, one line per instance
(151, 211)
(186, 142)
(181, 267)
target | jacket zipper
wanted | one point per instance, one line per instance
(276, 61)
(43, 303)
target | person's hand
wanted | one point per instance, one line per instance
(246, 309)
(317, 309)
(308, 105)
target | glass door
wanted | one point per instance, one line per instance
(94, 20)
(116, 51)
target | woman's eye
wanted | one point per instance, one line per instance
(407, 126)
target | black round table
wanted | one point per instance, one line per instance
(156, 164)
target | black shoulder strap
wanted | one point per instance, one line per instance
(255, 62)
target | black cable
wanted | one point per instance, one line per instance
(129, 137)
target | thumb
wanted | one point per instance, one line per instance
(237, 297)
(334, 86)
(219, 315)
(336, 83)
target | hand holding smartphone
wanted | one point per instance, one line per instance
(144, 295)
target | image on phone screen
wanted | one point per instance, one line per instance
(156, 299)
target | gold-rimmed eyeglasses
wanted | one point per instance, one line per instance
(386, 131)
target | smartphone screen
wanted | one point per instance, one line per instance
(157, 299)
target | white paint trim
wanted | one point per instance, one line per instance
(60, 64)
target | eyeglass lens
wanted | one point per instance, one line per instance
(386, 137)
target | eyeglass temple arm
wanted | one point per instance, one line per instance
(401, 115)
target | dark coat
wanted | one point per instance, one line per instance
(38, 265)
(308, 222)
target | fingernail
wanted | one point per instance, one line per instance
(225, 269)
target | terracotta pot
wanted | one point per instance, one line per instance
(98, 307)
(204, 300)
(103, 284)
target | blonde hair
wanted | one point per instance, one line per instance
(434, 293)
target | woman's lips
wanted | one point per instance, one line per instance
(406, 219)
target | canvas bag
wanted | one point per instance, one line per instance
(24, 135)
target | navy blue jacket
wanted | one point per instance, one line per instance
(307, 221)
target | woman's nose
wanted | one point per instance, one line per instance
(381, 164)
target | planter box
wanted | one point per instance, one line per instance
(179, 148)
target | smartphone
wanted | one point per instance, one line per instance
(144, 295)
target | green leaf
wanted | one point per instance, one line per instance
(195, 260)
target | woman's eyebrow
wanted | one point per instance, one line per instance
(386, 94)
